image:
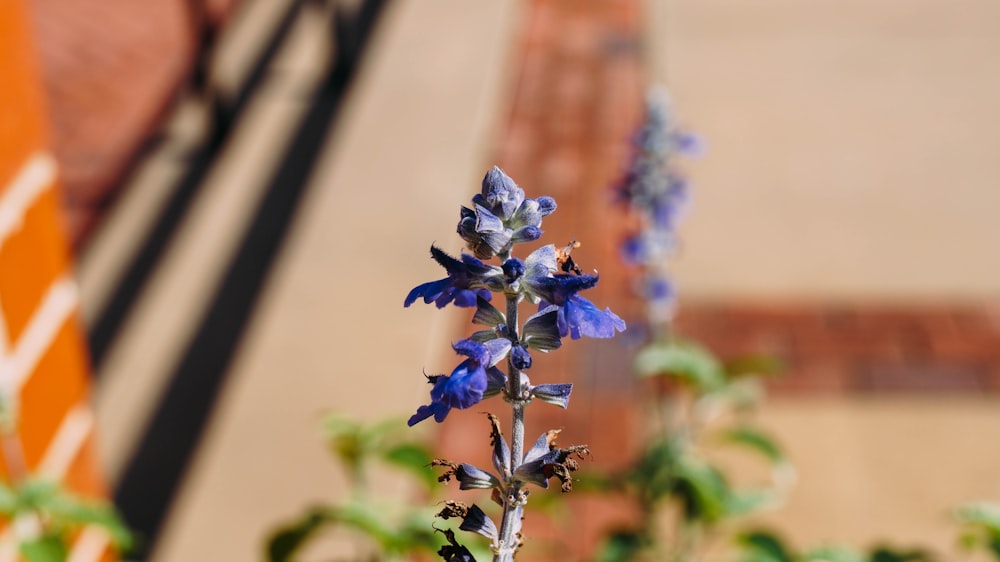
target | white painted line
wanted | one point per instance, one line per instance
(57, 306)
(89, 546)
(68, 440)
(37, 174)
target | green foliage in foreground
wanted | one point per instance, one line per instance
(765, 546)
(53, 515)
(707, 407)
(388, 530)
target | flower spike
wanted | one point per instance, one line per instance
(499, 218)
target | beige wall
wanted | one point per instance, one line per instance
(852, 145)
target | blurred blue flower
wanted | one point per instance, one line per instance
(467, 279)
(466, 385)
(659, 289)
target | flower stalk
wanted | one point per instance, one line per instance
(500, 218)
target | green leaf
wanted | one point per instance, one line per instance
(748, 501)
(755, 440)
(763, 546)
(688, 362)
(36, 494)
(414, 458)
(703, 491)
(754, 366)
(982, 522)
(67, 509)
(833, 553)
(363, 518)
(654, 475)
(593, 480)
(8, 501)
(346, 440)
(286, 541)
(621, 546)
(369, 521)
(985, 514)
(886, 554)
(64, 511)
(48, 548)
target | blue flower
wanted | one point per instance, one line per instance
(467, 279)
(513, 269)
(501, 216)
(520, 358)
(484, 232)
(577, 316)
(471, 380)
(500, 194)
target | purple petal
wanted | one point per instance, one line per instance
(581, 318)
(473, 350)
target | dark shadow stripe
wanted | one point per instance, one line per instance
(157, 467)
(131, 283)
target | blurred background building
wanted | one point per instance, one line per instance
(252, 185)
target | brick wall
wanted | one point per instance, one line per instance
(859, 348)
(43, 360)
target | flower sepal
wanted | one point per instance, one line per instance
(556, 394)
